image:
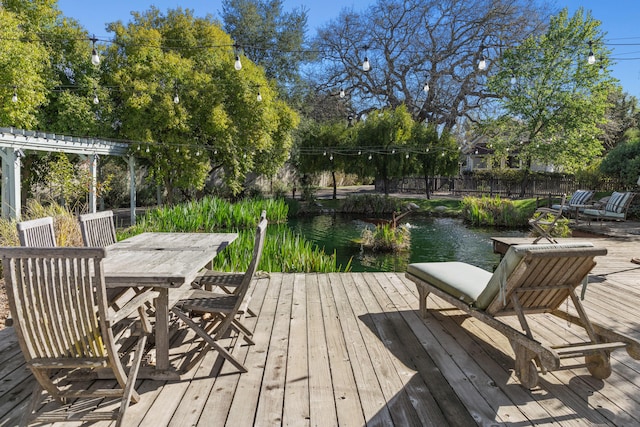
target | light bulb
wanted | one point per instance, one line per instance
(407, 156)
(95, 99)
(95, 58)
(342, 94)
(176, 99)
(259, 97)
(366, 66)
(370, 157)
(482, 64)
(238, 64)
(331, 157)
(513, 80)
(147, 150)
(197, 153)
(426, 88)
(592, 58)
(14, 98)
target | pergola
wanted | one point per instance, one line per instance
(14, 142)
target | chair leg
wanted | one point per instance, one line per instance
(205, 336)
(129, 393)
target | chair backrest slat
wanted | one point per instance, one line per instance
(56, 295)
(98, 229)
(37, 233)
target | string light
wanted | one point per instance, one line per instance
(591, 59)
(366, 66)
(259, 97)
(342, 93)
(14, 98)
(425, 88)
(237, 65)
(95, 96)
(482, 65)
(95, 58)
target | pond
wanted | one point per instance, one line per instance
(432, 239)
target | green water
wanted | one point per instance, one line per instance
(432, 239)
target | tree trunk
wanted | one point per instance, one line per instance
(335, 187)
(525, 179)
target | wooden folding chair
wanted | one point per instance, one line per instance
(98, 229)
(544, 221)
(227, 309)
(530, 279)
(228, 282)
(57, 297)
(37, 233)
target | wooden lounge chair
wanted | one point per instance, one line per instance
(544, 222)
(530, 279)
(227, 309)
(37, 233)
(98, 229)
(57, 297)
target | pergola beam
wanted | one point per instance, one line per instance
(14, 142)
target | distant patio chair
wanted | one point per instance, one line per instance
(57, 297)
(98, 229)
(37, 233)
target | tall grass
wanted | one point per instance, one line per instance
(494, 212)
(210, 214)
(284, 251)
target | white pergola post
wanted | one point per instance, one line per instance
(11, 165)
(93, 165)
(132, 187)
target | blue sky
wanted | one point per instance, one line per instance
(619, 20)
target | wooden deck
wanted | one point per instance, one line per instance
(351, 350)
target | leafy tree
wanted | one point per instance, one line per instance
(23, 59)
(383, 136)
(218, 124)
(321, 148)
(268, 36)
(622, 115)
(412, 42)
(552, 99)
(437, 155)
(623, 162)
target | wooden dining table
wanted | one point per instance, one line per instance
(166, 263)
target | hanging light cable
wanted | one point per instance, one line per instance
(95, 58)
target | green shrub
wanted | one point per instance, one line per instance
(385, 238)
(371, 204)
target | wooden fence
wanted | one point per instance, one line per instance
(538, 186)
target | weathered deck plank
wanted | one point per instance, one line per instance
(350, 349)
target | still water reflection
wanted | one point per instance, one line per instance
(432, 239)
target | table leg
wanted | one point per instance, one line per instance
(162, 330)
